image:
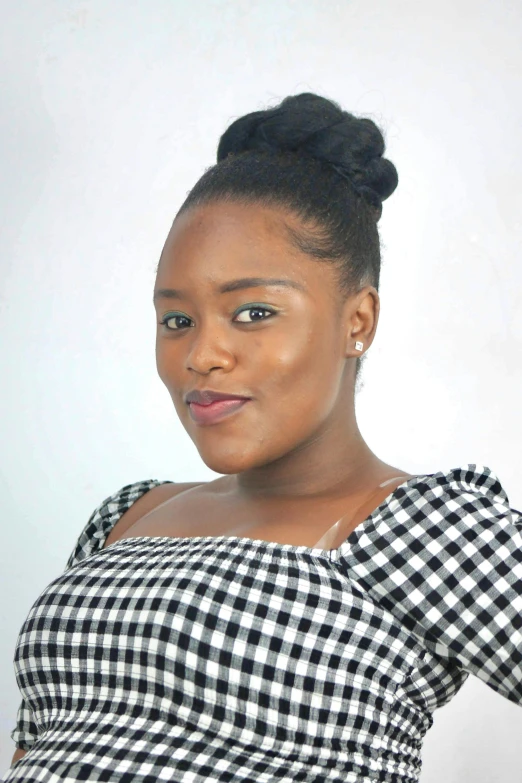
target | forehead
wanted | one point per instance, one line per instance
(214, 244)
(229, 234)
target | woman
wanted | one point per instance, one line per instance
(228, 630)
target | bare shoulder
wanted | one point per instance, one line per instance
(148, 502)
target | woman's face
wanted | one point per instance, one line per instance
(289, 348)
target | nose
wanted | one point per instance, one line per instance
(208, 350)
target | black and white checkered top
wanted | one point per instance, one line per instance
(231, 659)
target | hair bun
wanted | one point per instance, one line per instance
(313, 126)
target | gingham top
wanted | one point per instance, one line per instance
(231, 659)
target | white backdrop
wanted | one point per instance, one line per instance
(110, 111)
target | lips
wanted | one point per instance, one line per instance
(215, 411)
(207, 396)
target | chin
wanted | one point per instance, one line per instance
(225, 464)
(228, 460)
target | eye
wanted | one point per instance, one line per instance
(176, 322)
(176, 317)
(253, 308)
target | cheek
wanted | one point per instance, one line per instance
(168, 365)
(293, 374)
(296, 384)
(163, 366)
(292, 364)
(295, 378)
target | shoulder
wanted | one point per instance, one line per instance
(436, 524)
(472, 478)
(464, 495)
(432, 522)
(444, 557)
(122, 508)
(156, 496)
(471, 489)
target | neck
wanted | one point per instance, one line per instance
(334, 461)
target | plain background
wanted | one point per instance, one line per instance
(110, 112)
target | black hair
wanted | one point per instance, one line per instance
(320, 162)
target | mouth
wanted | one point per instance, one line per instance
(216, 411)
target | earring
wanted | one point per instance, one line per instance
(358, 346)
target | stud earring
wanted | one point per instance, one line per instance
(358, 346)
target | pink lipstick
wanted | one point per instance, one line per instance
(220, 409)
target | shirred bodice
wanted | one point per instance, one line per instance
(232, 659)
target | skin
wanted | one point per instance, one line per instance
(18, 754)
(296, 445)
(298, 437)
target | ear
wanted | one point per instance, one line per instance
(361, 319)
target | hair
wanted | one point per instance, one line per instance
(325, 165)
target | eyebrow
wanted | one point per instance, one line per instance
(232, 285)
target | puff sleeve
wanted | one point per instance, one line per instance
(105, 516)
(444, 556)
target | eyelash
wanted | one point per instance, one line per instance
(170, 316)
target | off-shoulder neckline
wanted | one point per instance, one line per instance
(298, 549)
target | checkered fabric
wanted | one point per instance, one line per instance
(231, 659)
